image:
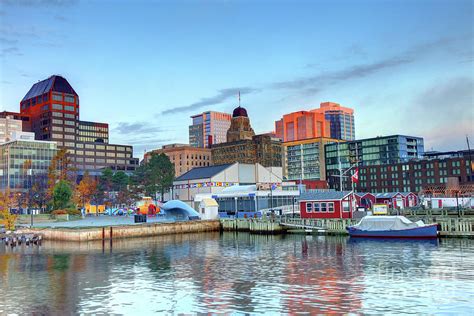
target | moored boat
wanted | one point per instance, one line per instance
(392, 227)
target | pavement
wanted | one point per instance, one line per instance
(101, 221)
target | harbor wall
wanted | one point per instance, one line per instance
(129, 231)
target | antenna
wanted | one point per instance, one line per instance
(239, 98)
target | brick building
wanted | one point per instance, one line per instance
(184, 157)
(244, 146)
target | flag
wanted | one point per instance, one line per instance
(355, 176)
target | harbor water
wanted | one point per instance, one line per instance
(239, 273)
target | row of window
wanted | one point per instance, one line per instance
(320, 207)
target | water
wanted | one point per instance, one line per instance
(239, 273)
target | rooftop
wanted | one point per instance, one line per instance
(202, 172)
(53, 83)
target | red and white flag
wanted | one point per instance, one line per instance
(355, 176)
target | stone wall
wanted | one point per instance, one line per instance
(114, 232)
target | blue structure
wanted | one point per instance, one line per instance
(179, 210)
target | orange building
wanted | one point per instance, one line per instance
(330, 120)
(184, 157)
(302, 125)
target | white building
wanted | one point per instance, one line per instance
(9, 126)
(214, 179)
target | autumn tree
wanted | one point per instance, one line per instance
(61, 169)
(156, 175)
(6, 203)
(39, 191)
(85, 190)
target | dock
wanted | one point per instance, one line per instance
(448, 226)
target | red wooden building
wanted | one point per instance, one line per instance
(326, 204)
(364, 199)
(397, 199)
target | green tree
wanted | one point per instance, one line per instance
(120, 181)
(62, 194)
(156, 175)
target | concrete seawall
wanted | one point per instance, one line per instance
(116, 232)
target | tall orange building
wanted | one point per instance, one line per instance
(302, 125)
(331, 120)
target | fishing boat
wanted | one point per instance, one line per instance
(392, 227)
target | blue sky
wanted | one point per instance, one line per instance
(145, 67)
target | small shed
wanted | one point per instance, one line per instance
(326, 204)
(410, 199)
(209, 209)
(364, 199)
(391, 199)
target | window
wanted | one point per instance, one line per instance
(68, 98)
(331, 207)
(317, 207)
(324, 207)
(345, 206)
(57, 97)
(309, 207)
(57, 106)
(68, 108)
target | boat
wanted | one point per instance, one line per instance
(392, 227)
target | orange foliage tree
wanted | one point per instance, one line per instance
(85, 190)
(6, 203)
(60, 168)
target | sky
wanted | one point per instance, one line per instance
(144, 67)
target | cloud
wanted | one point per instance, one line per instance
(222, 96)
(6, 82)
(310, 85)
(13, 50)
(137, 128)
(443, 113)
(40, 3)
(7, 41)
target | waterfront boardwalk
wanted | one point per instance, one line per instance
(448, 226)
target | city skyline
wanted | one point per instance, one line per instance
(401, 70)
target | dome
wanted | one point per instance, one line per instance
(239, 111)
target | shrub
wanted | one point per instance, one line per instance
(59, 212)
(73, 211)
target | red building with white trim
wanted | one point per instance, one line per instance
(326, 204)
(364, 199)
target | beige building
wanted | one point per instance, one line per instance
(184, 157)
(9, 126)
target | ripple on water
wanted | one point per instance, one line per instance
(242, 273)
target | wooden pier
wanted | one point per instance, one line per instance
(448, 226)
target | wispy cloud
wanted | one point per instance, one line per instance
(221, 96)
(138, 128)
(446, 104)
(312, 84)
(13, 50)
(42, 3)
(8, 41)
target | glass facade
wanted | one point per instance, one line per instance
(341, 125)
(303, 161)
(21, 161)
(370, 152)
(209, 128)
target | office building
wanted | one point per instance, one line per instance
(8, 126)
(341, 120)
(25, 119)
(184, 157)
(53, 108)
(305, 159)
(244, 146)
(386, 150)
(301, 125)
(23, 159)
(416, 175)
(331, 120)
(209, 128)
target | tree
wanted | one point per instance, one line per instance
(62, 194)
(105, 187)
(120, 181)
(60, 169)
(39, 190)
(6, 202)
(85, 190)
(156, 175)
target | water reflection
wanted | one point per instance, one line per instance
(233, 272)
